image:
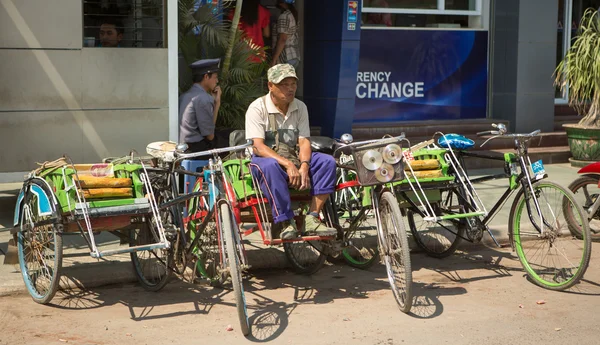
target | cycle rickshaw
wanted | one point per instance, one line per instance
(226, 198)
(61, 197)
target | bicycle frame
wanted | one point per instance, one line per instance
(522, 180)
(466, 192)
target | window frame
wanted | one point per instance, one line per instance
(137, 27)
(441, 9)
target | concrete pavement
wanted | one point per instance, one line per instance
(80, 270)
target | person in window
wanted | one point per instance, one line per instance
(287, 49)
(255, 22)
(278, 118)
(199, 106)
(111, 33)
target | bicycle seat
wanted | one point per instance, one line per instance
(162, 150)
(455, 141)
(322, 144)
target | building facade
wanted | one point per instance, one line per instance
(364, 63)
(58, 97)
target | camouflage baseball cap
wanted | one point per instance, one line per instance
(281, 71)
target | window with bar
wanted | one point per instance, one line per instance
(124, 23)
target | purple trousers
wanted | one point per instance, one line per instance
(274, 182)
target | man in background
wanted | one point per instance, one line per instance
(199, 106)
(111, 33)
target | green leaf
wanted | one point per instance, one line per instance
(580, 70)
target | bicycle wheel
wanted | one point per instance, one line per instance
(553, 258)
(39, 243)
(441, 238)
(305, 257)
(232, 244)
(361, 234)
(151, 266)
(586, 192)
(395, 251)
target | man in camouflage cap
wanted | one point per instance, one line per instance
(278, 125)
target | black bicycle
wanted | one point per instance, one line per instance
(547, 227)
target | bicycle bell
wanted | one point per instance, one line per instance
(501, 128)
(181, 148)
(346, 138)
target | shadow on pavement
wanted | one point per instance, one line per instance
(433, 280)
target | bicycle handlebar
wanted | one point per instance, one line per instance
(497, 134)
(341, 146)
(370, 141)
(480, 134)
(181, 156)
(512, 135)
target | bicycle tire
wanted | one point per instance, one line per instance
(305, 257)
(439, 239)
(42, 282)
(232, 244)
(395, 251)
(151, 266)
(587, 193)
(558, 242)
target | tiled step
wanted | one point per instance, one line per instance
(418, 129)
(548, 155)
(551, 147)
(565, 119)
(564, 109)
(544, 140)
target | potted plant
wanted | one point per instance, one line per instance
(580, 71)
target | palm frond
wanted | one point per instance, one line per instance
(243, 83)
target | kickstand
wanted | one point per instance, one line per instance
(492, 236)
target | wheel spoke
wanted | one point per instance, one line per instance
(40, 247)
(556, 257)
(395, 251)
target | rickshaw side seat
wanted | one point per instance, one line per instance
(430, 169)
(104, 185)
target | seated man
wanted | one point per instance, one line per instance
(199, 106)
(278, 121)
(111, 33)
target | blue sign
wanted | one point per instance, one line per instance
(407, 75)
(538, 167)
(352, 11)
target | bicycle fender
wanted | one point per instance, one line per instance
(593, 168)
(44, 206)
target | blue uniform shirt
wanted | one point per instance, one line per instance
(196, 109)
